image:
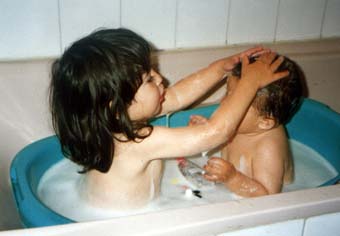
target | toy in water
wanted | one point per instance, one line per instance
(190, 193)
(193, 173)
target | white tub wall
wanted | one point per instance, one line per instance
(24, 118)
(291, 228)
(327, 224)
(299, 213)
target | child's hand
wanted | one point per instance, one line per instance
(230, 62)
(263, 70)
(219, 170)
(197, 120)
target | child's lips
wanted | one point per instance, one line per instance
(162, 97)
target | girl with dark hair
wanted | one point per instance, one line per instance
(104, 91)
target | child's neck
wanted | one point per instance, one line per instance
(258, 132)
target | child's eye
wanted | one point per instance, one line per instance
(150, 79)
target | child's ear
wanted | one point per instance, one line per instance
(266, 123)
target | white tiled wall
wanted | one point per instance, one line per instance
(327, 224)
(291, 228)
(39, 28)
(300, 19)
(201, 22)
(29, 29)
(331, 24)
(154, 19)
(81, 17)
(323, 225)
(252, 21)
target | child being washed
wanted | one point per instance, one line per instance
(257, 160)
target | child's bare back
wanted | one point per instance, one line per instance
(132, 181)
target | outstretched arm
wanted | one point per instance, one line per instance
(185, 141)
(191, 88)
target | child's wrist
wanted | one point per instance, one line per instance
(218, 66)
(231, 176)
(249, 84)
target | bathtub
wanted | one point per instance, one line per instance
(314, 125)
(25, 119)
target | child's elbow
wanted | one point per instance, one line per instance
(221, 132)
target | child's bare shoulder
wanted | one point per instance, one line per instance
(274, 143)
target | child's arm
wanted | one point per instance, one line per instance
(268, 165)
(223, 171)
(267, 170)
(191, 88)
(185, 141)
(197, 120)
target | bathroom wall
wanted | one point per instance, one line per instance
(36, 29)
(24, 118)
(39, 28)
(24, 115)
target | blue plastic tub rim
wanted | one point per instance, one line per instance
(32, 161)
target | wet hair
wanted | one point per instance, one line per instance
(280, 99)
(93, 83)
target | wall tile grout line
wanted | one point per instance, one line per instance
(120, 13)
(303, 227)
(176, 26)
(277, 20)
(60, 31)
(323, 17)
(228, 22)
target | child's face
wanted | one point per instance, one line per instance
(149, 97)
(251, 120)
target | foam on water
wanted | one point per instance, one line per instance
(60, 186)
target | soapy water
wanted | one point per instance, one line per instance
(60, 186)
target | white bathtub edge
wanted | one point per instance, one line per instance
(208, 219)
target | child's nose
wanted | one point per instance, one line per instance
(159, 79)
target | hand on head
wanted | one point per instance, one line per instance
(263, 70)
(232, 61)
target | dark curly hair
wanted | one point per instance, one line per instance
(280, 99)
(92, 86)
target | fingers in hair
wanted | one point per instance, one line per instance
(276, 63)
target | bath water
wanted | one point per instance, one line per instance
(60, 185)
